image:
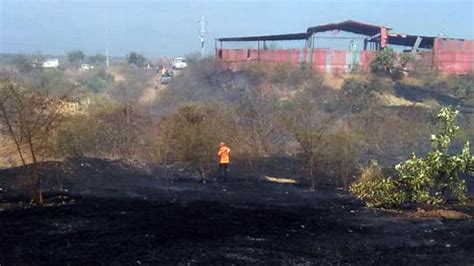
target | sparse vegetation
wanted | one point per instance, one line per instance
(236, 132)
(262, 112)
(308, 123)
(29, 119)
(192, 134)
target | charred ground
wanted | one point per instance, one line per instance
(113, 213)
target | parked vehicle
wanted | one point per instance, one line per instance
(178, 63)
(166, 77)
(51, 63)
(87, 66)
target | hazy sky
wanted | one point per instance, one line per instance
(160, 28)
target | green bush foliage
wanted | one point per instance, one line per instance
(433, 178)
(375, 189)
(387, 64)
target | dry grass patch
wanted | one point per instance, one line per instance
(440, 214)
(280, 180)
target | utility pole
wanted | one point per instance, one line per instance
(107, 39)
(107, 49)
(202, 35)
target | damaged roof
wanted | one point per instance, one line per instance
(349, 26)
(279, 37)
(352, 26)
(409, 40)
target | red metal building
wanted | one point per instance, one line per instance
(446, 55)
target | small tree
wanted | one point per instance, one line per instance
(307, 123)
(256, 116)
(75, 56)
(29, 119)
(341, 152)
(432, 178)
(136, 59)
(385, 63)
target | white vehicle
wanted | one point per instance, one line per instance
(87, 66)
(51, 63)
(178, 63)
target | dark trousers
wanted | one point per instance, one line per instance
(223, 169)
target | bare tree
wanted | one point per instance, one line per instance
(256, 115)
(307, 122)
(29, 118)
(342, 147)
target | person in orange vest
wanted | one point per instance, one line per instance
(223, 155)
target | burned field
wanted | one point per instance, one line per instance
(115, 215)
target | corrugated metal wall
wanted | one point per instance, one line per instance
(448, 57)
(453, 56)
(323, 60)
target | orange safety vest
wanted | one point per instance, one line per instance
(223, 154)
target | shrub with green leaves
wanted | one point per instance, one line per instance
(465, 87)
(434, 178)
(387, 64)
(375, 189)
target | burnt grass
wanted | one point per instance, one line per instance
(113, 214)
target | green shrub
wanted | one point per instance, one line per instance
(375, 189)
(384, 62)
(434, 178)
(387, 64)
